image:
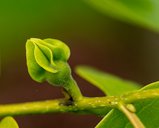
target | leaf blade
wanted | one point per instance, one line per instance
(8, 122)
(113, 119)
(109, 84)
(140, 12)
(147, 111)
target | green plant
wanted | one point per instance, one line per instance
(125, 106)
(140, 12)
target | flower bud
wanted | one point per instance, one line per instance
(47, 60)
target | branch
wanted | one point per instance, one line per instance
(140, 95)
(85, 105)
(57, 106)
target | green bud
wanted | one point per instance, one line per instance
(47, 60)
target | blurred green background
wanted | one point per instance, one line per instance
(118, 37)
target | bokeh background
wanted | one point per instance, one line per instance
(116, 45)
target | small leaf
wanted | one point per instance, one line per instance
(141, 12)
(147, 111)
(8, 122)
(109, 84)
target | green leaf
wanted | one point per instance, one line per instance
(8, 122)
(114, 119)
(153, 85)
(147, 111)
(109, 84)
(141, 12)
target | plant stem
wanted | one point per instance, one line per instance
(84, 105)
(135, 121)
(55, 106)
(140, 95)
(73, 90)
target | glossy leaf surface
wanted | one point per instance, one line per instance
(147, 111)
(109, 84)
